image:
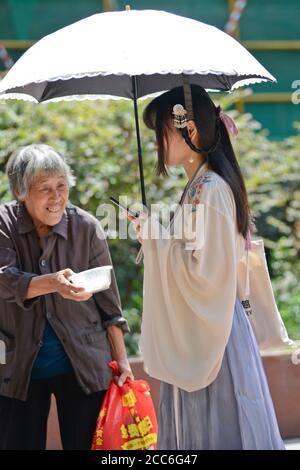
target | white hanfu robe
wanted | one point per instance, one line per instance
(189, 294)
(196, 337)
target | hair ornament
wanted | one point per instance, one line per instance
(179, 116)
(229, 124)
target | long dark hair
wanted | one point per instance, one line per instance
(214, 138)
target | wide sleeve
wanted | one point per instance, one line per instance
(13, 281)
(108, 301)
(190, 291)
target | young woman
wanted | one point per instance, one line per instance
(195, 336)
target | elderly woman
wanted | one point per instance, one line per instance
(58, 337)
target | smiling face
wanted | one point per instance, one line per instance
(47, 198)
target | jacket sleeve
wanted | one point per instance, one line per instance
(13, 281)
(108, 301)
(189, 294)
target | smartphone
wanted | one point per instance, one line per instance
(126, 209)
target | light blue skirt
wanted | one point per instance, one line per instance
(233, 412)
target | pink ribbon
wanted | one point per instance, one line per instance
(229, 123)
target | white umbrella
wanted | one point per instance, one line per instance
(130, 54)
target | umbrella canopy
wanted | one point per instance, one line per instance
(98, 55)
(130, 54)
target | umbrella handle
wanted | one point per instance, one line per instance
(138, 138)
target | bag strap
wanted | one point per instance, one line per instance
(247, 248)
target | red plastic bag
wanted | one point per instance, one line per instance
(127, 419)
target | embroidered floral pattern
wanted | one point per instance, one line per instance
(195, 189)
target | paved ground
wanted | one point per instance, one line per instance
(292, 444)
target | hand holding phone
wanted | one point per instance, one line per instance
(126, 209)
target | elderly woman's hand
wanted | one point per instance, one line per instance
(125, 372)
(57, 282)
(62, 285)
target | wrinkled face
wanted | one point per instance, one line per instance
(47, 198)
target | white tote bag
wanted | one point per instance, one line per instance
(258, 299)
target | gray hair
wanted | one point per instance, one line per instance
(27, 162)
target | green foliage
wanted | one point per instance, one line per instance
(98, 139)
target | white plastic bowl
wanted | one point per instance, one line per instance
(93, 280)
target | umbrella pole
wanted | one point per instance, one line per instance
(138, 138)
